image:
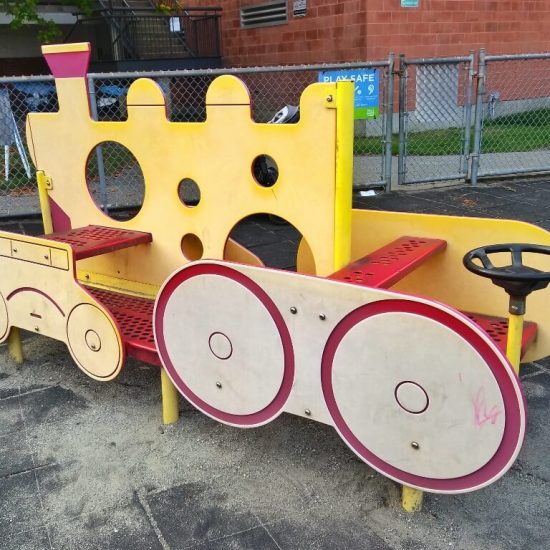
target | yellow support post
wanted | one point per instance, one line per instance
(411, 499)
(44, 184)
(15, 347)
(513, 343)
(344, 173)
(170, 399)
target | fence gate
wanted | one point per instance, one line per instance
(435, 118)
(512, 115)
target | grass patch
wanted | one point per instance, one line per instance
(528, 131)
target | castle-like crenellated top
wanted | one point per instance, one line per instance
(314, 159)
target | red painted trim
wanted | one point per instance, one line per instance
(60, 220)
(4, 308)
(513, 406)
(69, 64)
(29, 289)
(274, 408)
(142, 353)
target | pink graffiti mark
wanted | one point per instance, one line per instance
(481, 414)
(460, 377)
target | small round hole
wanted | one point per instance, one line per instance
(191, 246)
(265, 170)
(189, 192)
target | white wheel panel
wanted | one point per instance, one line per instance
(429, 401)
(234, 367)
(94, 342)
(406, 389)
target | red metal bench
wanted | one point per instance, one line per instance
(388, 265)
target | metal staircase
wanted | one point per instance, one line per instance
(137, 31)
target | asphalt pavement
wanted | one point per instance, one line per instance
(88, 465)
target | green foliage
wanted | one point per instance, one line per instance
(25, 12)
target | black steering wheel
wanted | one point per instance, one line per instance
(517, 279)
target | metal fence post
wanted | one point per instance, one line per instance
(402, 115)
(99, 149)
(468, 116)
(388, 109)
(478, 116)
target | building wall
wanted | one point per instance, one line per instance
(351, 30)
(20, 48)
(18, 43)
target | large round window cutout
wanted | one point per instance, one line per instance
(115, 180)
(269, 238)
(265, 170)
(191, 246)
(189, 192)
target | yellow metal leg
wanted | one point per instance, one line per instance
(15, 347)
(411, 499)
(513, 343)
(344, 175)
(43, 185)
(170, 399)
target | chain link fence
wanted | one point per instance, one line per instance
(112, 172)
(513, 121)
(435, 115)
(454, 123)
(18, 97)
(270, 90)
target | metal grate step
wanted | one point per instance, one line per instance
(135, 318)
(94, 240)
(389, 264)
(497, 329)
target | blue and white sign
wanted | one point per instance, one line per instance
(367, 86)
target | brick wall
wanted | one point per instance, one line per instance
(350, 30)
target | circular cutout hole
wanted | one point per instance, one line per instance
(115, 180)
(191, 246)
(189, 192)
(265, 170)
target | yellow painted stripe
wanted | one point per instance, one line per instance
(66, 48)
(107, 282)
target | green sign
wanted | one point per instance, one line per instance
(410, 3)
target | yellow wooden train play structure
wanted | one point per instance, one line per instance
(381, 332)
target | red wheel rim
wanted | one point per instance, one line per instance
(514, 403)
